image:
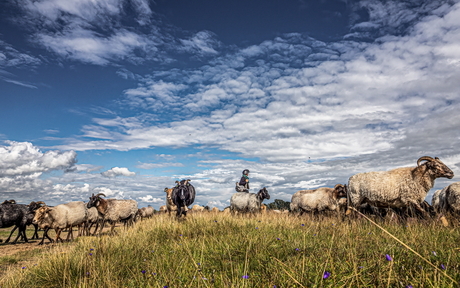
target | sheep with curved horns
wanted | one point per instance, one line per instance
(248, 202)
(114, 210)
(447, 200)
(320, 199)
(60, 217)
(397, 188)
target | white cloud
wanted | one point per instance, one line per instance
(118, 171)
(151, 199)
(158, 165)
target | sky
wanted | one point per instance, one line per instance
(124, 97)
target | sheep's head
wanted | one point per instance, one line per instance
(263, 194)
(94, 200)
(168, 192)
(436, 167)
(40, 214)
(340, 191)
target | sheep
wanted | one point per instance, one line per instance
(198, 208)
(447, 200)
(170, 206)
(60, 217)
(163, 208)
(113, 210)
(183, 195)
(145, 212)
(215, 210)
(263, 208)
(397, 188)
(20, 216)
(318, 200)
(248, 202)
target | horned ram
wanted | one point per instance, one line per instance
(397, 188)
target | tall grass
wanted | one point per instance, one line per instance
(218, 250)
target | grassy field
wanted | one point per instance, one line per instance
(218, 250)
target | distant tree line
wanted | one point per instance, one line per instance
(279, 204)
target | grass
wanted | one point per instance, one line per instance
(218, 250)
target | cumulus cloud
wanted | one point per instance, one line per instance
(151, 199)
(118, 171)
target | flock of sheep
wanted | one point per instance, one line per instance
(400, 188)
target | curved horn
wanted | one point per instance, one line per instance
(186, 181)
(166, 189)
(177, 182)
(100, 194)
(424, 158)
(40, 202)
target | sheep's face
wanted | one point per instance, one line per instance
(40, 215)
(263, 194)
(93, 201)
(340, 191)
(439, 169)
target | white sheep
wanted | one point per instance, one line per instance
(397, 188)
(447, 200)
(60, 217)
(248, 202)
(318, 200)
(114, 210)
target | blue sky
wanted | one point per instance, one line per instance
(126, 97)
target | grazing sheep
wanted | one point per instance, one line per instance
(397, 188)
(114, 210)
(248, 202)
(447, 200)
(145, 212)
(60, 217)
(163, 208)
(170, 206)
(197, 208)
(318, 200)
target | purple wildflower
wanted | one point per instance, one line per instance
(409, 286)
(91, 249)
(442, 267)
(90, 254)
(143, 271)
(245, 277)
(87, 273)
(165, 286)
(297, 249)
(326, 274)
(24, 267)
(278, 239)
(302, 225)
(360, 267)
(257, 227)
(388, 257)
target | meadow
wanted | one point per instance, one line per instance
(271, 250)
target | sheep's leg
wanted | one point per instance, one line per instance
(9, 237)
(22, 232)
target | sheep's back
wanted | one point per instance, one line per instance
(120, 209)
(243, 201)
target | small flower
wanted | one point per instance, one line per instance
(87, 273)
(257, 227)
(245, 277)
(198, 263)
(24, 267)
(91, 249)
(90, 254)
(302, 225)
(297, 249)
(165, 286)
(409, 286)
(278, 239)
(204, 278)
(326, 274)
(434, 253)
(215, 220)
(388, 257)
(442, 267)
(143, 271)
(360, 267)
